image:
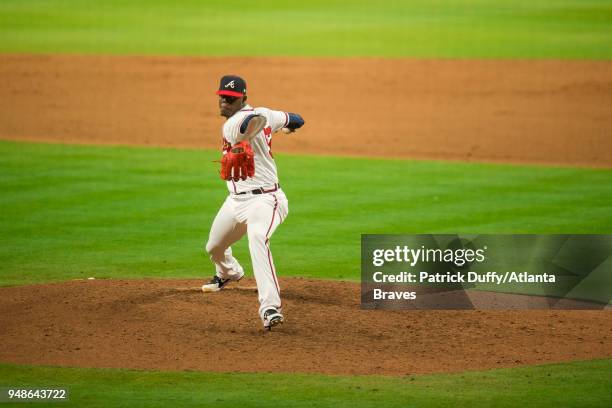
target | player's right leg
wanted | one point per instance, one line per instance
(266, 213)
(224, 232)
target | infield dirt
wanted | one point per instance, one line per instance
(172, 325)
(510, 111)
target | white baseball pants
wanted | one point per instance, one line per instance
(258, 216)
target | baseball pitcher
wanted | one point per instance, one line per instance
(256, 205)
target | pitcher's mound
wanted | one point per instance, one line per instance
(172, 325)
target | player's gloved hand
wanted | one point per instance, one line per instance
(238, 163)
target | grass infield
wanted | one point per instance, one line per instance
(578, 29)
(575, 384)
(78, 211)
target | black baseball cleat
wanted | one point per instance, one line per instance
(272, 317)
(217, 283)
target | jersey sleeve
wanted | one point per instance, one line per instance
(276, 119)
(231, 128)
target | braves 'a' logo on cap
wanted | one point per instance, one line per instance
(230, 84)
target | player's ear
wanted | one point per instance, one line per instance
(244, 98)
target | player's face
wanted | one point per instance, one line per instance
(228, 105)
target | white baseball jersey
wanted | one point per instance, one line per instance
(266, 175)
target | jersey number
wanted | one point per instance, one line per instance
(226, 146)
(268, 135)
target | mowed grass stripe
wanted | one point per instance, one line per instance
(78, 211)
(575, 384)
(412, 28)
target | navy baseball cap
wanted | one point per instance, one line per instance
(232, 85)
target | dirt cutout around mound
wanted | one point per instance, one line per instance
(509, 111)
(172, 325)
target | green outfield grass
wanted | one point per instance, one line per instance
(78, 211)
(576, 384)
(412, 28)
